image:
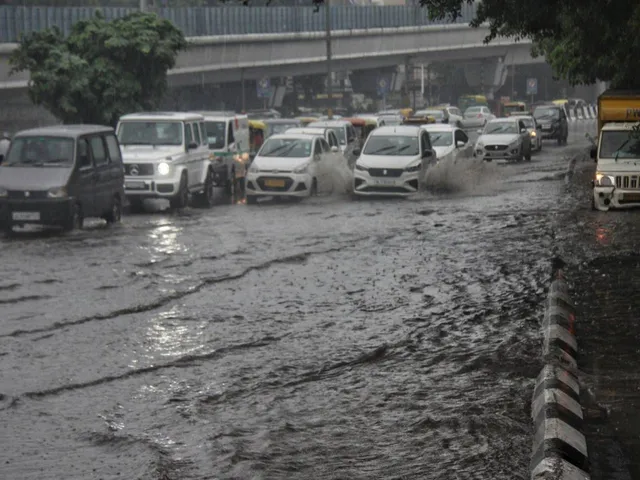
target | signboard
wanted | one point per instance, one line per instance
(532, 86)
(264, 88)
(382, 86)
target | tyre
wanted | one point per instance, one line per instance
(115, 215)
(181, 199)
(559, 139)
(205, 198)
(136, 205)
(527, 157)
(75, 221)
(314, 188)
(252, 199)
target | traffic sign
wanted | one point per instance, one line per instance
(532, 86)
(264, 88)
(383, 86)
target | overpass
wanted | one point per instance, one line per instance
(229, 44)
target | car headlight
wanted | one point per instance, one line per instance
(533, 134)
(603, 180)
(479, 145)
(3, 192)
(245, 156)
(413, 168)
(302, 169)
(57, 192)
(164, 168)
(361, 168)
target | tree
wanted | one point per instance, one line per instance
(103, 69)
(583, 40)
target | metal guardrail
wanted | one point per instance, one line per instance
(234, 20)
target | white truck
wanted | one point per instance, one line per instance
(228, 141)
(617, 152)
(165, 155)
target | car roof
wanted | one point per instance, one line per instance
(522, 116)
(308, 130)
(438, 127)
(70, 131)
(329, 123)
(299, 136)
(152, 116)
(502, 119)
(396, 130)
(280, 121)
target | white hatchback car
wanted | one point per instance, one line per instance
(393, 161)
(449, 143)
(287, 165)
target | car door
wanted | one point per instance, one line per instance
(525, 137)
(191, 155)
(425, 146)
(85, 184)
(116, 168)
(467, 149)
(102, 174)
(201, 153)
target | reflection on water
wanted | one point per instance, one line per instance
(164, 240)
(169, 336)
(603, 236)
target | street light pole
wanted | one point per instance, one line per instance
(327, 22)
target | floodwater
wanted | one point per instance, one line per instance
(326, 339)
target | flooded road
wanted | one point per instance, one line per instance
(328, 339)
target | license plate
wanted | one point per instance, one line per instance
(134, 185)
(631, 197)
(386, 182)
(26, 216)
(274, 183)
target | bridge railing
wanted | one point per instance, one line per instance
(16, 21)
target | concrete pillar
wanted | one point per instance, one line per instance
(486, 76)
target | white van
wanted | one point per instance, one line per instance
(228, 140)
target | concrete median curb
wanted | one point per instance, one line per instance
(559, 444)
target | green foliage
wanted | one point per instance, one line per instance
(583, 40)
(103, 69)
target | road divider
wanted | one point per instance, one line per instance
(559, 445)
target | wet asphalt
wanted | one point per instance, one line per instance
(327, 339)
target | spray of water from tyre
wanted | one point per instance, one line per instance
(336, 172)
(462, 174)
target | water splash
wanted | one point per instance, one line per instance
(336, 174)
(462, 174)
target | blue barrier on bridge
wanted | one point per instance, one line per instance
(237, 20)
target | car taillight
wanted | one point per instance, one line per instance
(479, 115)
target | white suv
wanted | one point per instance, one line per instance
(165, 155)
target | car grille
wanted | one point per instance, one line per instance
(495, 148)
(287, 184)
(22, 195)
(381, 189)
(627, 181)
(144, 169)
(385, 172)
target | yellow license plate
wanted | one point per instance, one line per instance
(631, 197)
(274, 183)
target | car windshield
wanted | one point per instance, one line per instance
(498, 128)
(619, 144)
(276, 128)
(546, 113)
(40, 152)
(473, 110)
(391, 145)
(286, 147)
(215, 134)
(150, 133)
(441, 139)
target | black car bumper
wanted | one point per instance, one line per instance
(553, 133)
(52, 211)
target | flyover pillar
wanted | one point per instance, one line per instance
(486, 76)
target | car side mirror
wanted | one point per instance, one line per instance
(334, 149)
(192, 146)
(316, 157)
(523, 130)
(357, 152)
(460, 144)
(427, 153)
(479, 131)
(594, 152)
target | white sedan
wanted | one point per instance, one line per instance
(449, 143)
(393, 161)
(288, 165)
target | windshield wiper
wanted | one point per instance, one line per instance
(624, 144)
(278, 149)
(380, 150)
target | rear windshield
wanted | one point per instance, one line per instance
(40, 152)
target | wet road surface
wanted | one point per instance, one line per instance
(601, 249)
(329, 339)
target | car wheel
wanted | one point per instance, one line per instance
(559, 140)
(75, 221)
(115, 215)
(136, 205)
(181, 199)
(252, 199)
(314, 188)
(204, 199)
(527, 157)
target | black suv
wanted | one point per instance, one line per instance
(61, 175)
(553, 122)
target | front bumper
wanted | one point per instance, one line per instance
(507, 154)
(157, 186)
(54, 211)
(551, 133)
(403, 186)
(278, 184)
(606, 198)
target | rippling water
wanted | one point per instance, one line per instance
(327, 339)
